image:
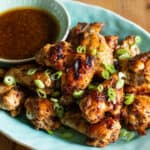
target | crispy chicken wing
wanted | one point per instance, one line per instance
(56, 55)
(87, 35)
(41, 113)
(11, 99)
(137, 115)
(100, 134)
(95, 105)
(22, 77)
(137, 72)
(79, 74)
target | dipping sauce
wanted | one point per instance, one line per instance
(23, 31)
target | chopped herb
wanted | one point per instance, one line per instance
(129, 99)
(9, 80)
(78, 94)
(81, 49)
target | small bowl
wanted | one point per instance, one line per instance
(54, 7)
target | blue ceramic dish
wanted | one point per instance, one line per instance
(20, 131)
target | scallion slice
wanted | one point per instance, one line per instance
(105, 74)
(129, 99)
(81, 49)
(138, 39)
(9, 80)
(100, 87)
(110, 68)
(32, 71)
(57, 75)
(59, 110)
(78, 94)
(120, 84)
(41, 93)
(39, 84)
(111, 94)
(92, 87)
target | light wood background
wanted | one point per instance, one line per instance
(135, 10)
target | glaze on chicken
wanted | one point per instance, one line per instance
(41, 113)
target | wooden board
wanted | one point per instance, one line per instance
(135, 10)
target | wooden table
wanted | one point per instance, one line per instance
(135, 10)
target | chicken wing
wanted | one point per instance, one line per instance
(11, 99)
(137, 115)
(56, 55)
(22, 77)
(95, 105)
(137, 72)
(100, 134)
(79, 74)
(41, 113)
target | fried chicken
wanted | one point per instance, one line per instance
(100, 134)
(11, 99)
(137, 115)
(56, 55)
(95, 105)
(41, 113)
(20, 73)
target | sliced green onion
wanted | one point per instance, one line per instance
(55, 100)
(120, 84)
(121, 75)
(59, 110)
(100, 87)
(9, 80)
(39, 84)
(41, 93)
(93, 52)
(111, 94)
(92, 87)
(126, 135)
(50, 132)
(121, 51)
(105, 74)
(78, 94)
(55, 94)
(48, 72)
(124, 56)
(57, 75)
(67, 135)
(81, 49)
(129, 99)
(110, 68)
(133, 46)
(32, 71)
(138, 39)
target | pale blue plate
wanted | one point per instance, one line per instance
(21, 132)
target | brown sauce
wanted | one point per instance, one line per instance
(24, 31)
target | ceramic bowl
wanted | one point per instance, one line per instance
(55, 7)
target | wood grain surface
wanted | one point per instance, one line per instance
(135, 10)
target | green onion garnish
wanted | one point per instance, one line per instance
(81, 49)
(55, 100)
(120, 83)
(50, 132)
(41, 93)
(138, 39)
(126, 135)
(78, 94)
(122, 54)
(129, 99)
(111, 94)
(55, 94)
(66, 135)
(92, 87)
(39, 84)
(59, 110)
(32, 71)
(9, 80)
(48, 72)
(110, 68)
(100, 87)
(57, 75)
(121, 75)
(105, 74)
(93, 52)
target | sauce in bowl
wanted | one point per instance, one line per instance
(23, 31)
